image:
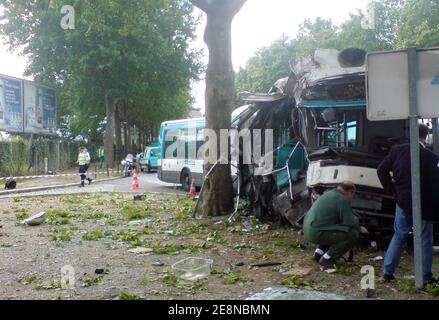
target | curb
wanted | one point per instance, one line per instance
(64, 186)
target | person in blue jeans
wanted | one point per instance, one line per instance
(398, 162)
(403, 226)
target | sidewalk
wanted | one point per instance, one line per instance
(55, 182)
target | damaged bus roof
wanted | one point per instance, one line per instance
(340, 91)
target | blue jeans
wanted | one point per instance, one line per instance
(403, 226)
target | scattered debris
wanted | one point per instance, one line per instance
(89, 281)
(139, 222)
(296, 282)
(247, 226)
(128, 296)
(331, 271)
(101, 271)
(158, 264)
(280, 293)
(140, 250)
(369, 294)
(239, 264)
(10, 185)
(93, 235)
(140, 197)
(193, 269)
(299, 272)
(178, 282)
(379, 258)
(49, 285)
(264, 265)
(231, 277)
(35, 220)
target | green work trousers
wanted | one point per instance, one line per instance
(336, 243)
(101, 162)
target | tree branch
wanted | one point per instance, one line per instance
(202, 4)
(235, 5)
(228, 7)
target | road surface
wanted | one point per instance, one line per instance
(148, 184)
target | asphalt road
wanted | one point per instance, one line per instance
(148, 184)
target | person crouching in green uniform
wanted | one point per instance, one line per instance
(332, 225)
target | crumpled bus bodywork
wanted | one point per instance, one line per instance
(321, 138)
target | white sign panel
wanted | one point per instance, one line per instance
(388, 85)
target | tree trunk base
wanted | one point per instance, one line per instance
(217, 197)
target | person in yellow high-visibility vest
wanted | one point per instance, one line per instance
(82, 161)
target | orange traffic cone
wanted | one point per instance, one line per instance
(193, 191)
(135, 184)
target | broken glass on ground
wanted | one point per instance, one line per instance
(283, 293)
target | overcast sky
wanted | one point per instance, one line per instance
(256, 25)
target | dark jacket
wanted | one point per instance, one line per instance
(331, 212)
(399, 163)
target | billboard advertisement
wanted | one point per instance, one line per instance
(39, 109)
(11, 104)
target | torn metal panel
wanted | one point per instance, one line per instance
(261, 97)
(325, 63)
(337, 174)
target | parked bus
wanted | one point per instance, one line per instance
(181, 169)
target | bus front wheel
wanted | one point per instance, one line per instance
(185, 180)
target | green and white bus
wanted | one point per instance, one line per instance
(179, 168)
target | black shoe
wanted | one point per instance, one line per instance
(433, 281)
(89, 181)
(388, 277)
(317, 257)
(328, 263)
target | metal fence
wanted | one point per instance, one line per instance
(24, 156)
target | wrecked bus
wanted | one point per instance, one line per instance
(321, 138)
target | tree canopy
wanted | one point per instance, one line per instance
(398, 24)
(135, 52)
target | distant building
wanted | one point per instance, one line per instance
(195, 113)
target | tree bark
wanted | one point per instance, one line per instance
(140, 140)
(128, 143)
(217, 198)
(118, 129)
(109, 131)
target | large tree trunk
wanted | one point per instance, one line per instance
(128, 143)
(125, 140)
(217, 198)
(118, 129)
(109, 131)
(140, 140)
